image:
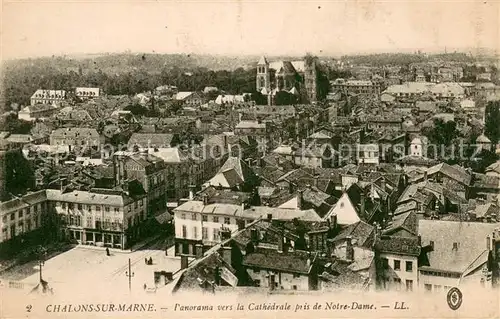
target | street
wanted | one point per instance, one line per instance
(89, 269)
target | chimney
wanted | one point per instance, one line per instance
(425, 175)
(349, 249)
(291, 187)
(144, 154)
(184, 261)
(420, 240)
(269, 217)
(225, 234)
(382, 184)
(240, 116)
(333, 221)
(241, 224)
(262, 163)
(254, 235)
(191, 192)
(281, 243)
(271, 281)
(205, 199)
(488, 243)
(362, 203)
(248, 161)
(455, 246)
(226, 254)
(300, 199)
(431, 244)
(316, 178)
(199, 250)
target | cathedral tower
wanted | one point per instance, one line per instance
(263, 76)
(311, 78)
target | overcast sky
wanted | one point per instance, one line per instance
(244, 27)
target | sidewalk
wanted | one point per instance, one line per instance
(135, 247)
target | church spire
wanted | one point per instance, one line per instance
(262, 61)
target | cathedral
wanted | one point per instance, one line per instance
(295, 77)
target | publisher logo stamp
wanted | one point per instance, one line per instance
(454, 298)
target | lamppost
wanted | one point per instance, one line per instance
(129, 274)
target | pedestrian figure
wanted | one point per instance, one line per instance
(145, 286)
(146, 261)
(107, 251)
(166, 252)
(150, 260)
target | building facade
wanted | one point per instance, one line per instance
(42, 96)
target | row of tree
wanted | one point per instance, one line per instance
(21, 80)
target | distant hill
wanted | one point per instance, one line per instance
(118, 63)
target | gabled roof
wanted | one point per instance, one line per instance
(361, 232)
(471, 244)
(457, 173)
(291, 262)
(146, 140)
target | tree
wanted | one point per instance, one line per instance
(285, 98)
(136, 109)
(258, 98)
(492, 118)
(442, 133)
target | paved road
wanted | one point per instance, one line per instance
(90, 270)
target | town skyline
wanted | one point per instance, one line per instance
(243, 28)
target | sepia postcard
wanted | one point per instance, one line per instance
(249, 159)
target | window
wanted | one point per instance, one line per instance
(89, 222)
(296, 276)
(216, 234)
(4, 219)
(437, 287)
(184, 231)
(12, 216)
(20, 214)
(183, 216)
(193, 216)
(397, 264)
(256, 270)
(216, 219)
(409, 266)
(385, 263)
(98, 208)
(204, 218)
(428, 287)
(227, 220)
(397, 282)
(409, 285)
(257, 282)
(195, 232)
(117, 210)
(80, 206)
(204, 233)
(106, 209)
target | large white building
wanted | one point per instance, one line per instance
(198, 222)
(457, 254)
(42, 96)
(101, 219)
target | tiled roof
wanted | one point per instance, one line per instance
(459, 174)
(291, 262)
(398, 245)
(469, 236)
(75, 131)
(360, 231)
(145, 140)
(485, 181)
